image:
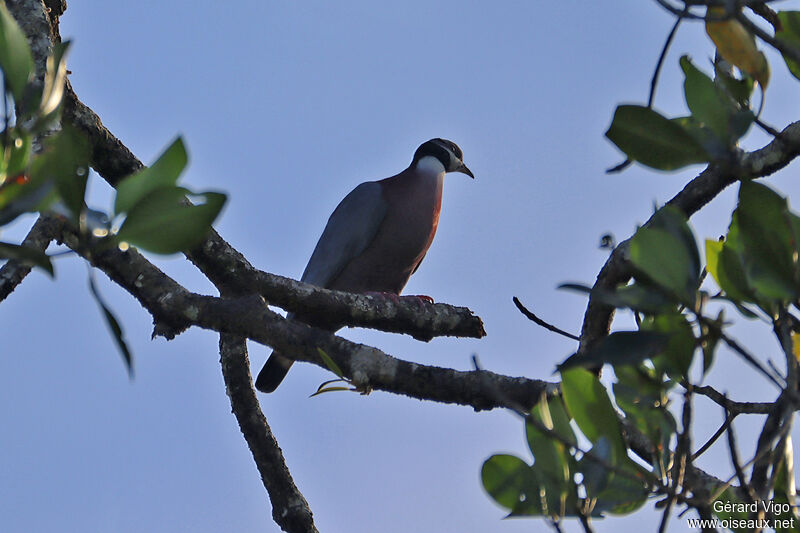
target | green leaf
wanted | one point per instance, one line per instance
(785, 491)
(504, 477)
(550, 454)
(676, 356)
(714, 108)
(715, 147)
(740, 89)
(15, 54)
(28, 192)
(620, 348)
(19, 153)
(164, 172)
(623, 495)
(634, 296)
(54, 78)
(672, 220)
(114, 326)
(596, 475)
(162, 223)
(710, 340)
(69, 165)
(26, 255)
(704, 100)
(789, 33)
(664, 260)
(588, 403)
(737, 45)
(728, 497)
(725, 265)
(653, 140)
(766, 234)
(330, 363)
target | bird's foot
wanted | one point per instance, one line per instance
(419, 299)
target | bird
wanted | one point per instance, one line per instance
(377, 236)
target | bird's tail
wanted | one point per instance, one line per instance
(273, 372)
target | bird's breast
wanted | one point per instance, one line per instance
(402, 240)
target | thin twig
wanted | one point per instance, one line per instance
(663, 55)
(737, 408)
(725, 425)
(586, 523)
(777, 380)
(524, 310)
(737, 466)
(788, 50)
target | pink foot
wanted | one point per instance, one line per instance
(419, 299)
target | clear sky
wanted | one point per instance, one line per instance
(286, 106)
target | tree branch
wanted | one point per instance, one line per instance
(174, 309)
(697, 193)
(290, 509)
(39, 238)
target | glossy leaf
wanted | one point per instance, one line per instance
(674, 222)
(738, 46)
(330, 363)
(634, 296)
(588, 403)
(69, 166)
(704, 99)
(162, 223)
(114, 326)
(664, 260)
(503, 477)
(653, 140)
(26, 255)
(550, 454)
(786, 490)
(740, 89)
(623, 494)
(620, 348)
(725, 266)
(19, 154)
(766, 235)
(164, 172)
(54, 78)
(710, 340)
(596, 474)
(789, 33)
(15, 54)
(678, 351)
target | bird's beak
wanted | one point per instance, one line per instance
(464, 170)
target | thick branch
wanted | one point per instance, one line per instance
(697, 193)
(290, 509)
(39, 237)
(174, 309)
(225, 266)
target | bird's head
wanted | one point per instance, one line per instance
(447, 152)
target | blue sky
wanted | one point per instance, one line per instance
(286, 106)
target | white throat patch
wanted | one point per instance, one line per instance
(430, 165)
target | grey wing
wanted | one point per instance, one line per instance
(350, 229)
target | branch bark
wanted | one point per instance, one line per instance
(697, 193)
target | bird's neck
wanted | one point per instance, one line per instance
(430, 166)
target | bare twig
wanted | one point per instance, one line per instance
(737, 465)
(735, 408)
(717, 434)
(535, 319)
(663, 55)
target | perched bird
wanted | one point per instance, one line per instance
(377, 236)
